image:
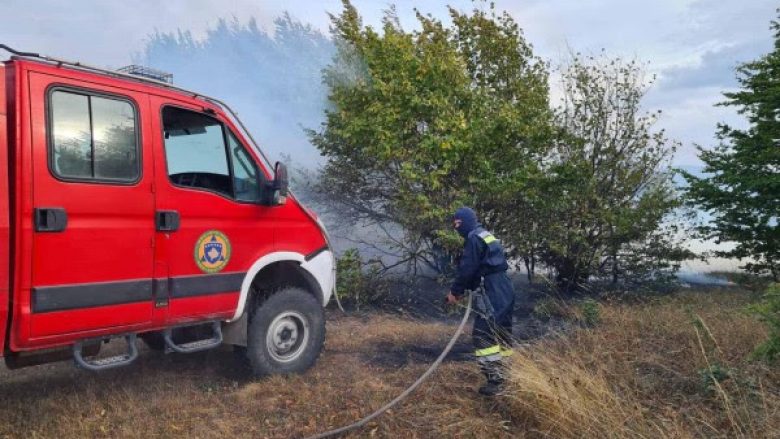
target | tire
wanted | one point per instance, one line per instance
(285, 333)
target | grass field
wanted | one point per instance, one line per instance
(641, 372)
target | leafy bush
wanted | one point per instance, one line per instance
(587, 312)
(712, 374)
(768, 311)
(550, 307)
(358, 282)
(591, 312)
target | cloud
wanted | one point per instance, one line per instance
(692, 120)
(693, 45)
(716, 68)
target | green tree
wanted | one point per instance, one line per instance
(421, 122)
(768, 311)
(608, 189)
(741, 183)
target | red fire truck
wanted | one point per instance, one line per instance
(132, 208)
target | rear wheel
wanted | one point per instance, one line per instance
(285, 333)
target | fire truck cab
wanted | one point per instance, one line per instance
(131, 208)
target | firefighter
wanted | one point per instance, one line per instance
(483, 261)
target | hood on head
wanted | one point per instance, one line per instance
(468, 219)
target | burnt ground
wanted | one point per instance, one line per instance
(423, 301)
(424, 297)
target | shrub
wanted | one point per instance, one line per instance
(768, 311)
(591, 312)
(358, 282)
(550, 307)
(587, 312)
(712, 374)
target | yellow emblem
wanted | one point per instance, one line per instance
(212, 252)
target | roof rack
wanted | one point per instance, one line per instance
(143, 79)
(147, 72)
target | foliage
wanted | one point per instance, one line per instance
(422, 122)
(768, 311)
(587, 312)
(357, 282)
(741, 179)
(608, 194)
(591, 312)
(650, 265)
(712, 375)
(550, 307)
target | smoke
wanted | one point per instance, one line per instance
(701, 278)
(272, 79)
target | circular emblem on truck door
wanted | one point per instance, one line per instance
(212, 252)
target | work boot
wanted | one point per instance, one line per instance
(493, 372)
(492, 388)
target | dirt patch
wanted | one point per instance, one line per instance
(390, 356)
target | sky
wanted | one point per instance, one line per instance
(692, 46)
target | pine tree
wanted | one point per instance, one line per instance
(741, 183)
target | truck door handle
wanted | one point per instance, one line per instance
(167, 220)
(50, 219)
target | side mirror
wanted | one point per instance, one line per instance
(279, 187)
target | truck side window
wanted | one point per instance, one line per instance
(245, 171)
(195, 151)
(93, 137)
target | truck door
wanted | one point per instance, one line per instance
(212, 227)
(93, 218)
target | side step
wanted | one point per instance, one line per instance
(108, 362)
(194, 346)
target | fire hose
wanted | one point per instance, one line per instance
(362, 422)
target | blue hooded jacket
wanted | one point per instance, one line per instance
(481, 255)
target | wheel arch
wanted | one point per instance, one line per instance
(279, 268)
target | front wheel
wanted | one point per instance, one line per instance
(285, 333)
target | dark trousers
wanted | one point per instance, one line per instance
(492, 332)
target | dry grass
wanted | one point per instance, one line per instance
(634, 375)
(644, 373)
(367, 361)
